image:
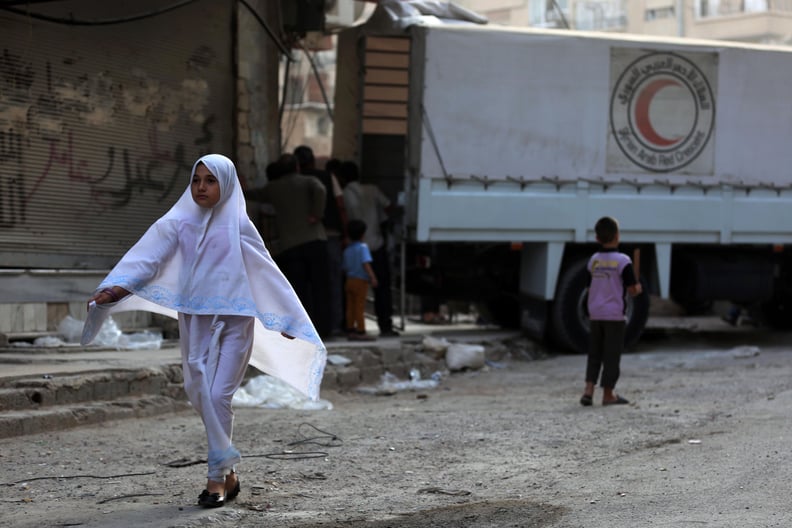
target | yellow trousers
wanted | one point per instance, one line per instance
(356, 291)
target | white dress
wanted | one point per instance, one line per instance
(195, 261)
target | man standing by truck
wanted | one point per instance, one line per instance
(368, 203)
(334, 221)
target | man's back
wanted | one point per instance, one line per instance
(367, 202)
(296, 198)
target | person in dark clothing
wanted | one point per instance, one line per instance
(334, 221)
(332, 166)
(368, 203)
(299, 202)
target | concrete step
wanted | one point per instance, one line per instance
(52, 402)
(45, 390)
(56, 418)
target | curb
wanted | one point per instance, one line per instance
(41, 403)
(33, 405)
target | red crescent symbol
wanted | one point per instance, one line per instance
(642, 113)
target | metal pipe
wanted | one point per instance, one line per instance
(680, 16)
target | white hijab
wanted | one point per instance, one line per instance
(213, 261)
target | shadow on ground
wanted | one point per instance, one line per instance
(470, 515)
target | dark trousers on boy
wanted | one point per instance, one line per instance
(605, 351)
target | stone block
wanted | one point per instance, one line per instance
(408, 354)
(329, 379)
(390, 355)
(148, 383)
(15, 399)
(74, 393)
(428, 365)
(348, 377)
(175, 392)
(400, 370)
(109, 389)
(371, 375)
(365, 357)
(175, 375)
(9, 426)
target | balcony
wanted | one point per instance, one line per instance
(763, 21)
(719, 8)
(600, 15)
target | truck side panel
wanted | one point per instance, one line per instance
(511, 104)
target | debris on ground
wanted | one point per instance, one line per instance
(271, 393)
(746, 351)
(461, 356)
(390, 384)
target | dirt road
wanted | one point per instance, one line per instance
(705, 443)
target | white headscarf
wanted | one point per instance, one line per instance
(213, 261)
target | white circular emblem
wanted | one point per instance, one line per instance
(662, 111)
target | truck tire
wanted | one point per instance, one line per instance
(569, 316)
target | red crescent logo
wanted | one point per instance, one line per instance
(642, 121)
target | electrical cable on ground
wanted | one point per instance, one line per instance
(331, 441)
(57, 477)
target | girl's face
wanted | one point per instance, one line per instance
(205, 188)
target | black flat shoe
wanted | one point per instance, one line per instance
(618, 401)
(210, 500)
(586, 401)
(231, 495)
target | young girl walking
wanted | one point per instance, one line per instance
(205, 263)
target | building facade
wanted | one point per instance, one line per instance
(104, 107)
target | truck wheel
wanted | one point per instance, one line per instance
(569, 317)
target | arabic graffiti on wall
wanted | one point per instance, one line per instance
(103, 136)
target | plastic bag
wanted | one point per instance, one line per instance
(390, 384)
(272, 393)
(460, 356)
(71, 329)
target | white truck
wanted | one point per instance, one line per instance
(505, 146)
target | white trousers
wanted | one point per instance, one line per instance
(215, 353)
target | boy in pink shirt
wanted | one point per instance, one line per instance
(611, 276)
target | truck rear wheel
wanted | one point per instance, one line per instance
(569, 317)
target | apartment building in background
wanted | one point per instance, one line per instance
(759, 21)
(307, 97)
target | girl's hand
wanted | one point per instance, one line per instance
(108, 295)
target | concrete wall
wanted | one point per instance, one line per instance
(255, 129)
